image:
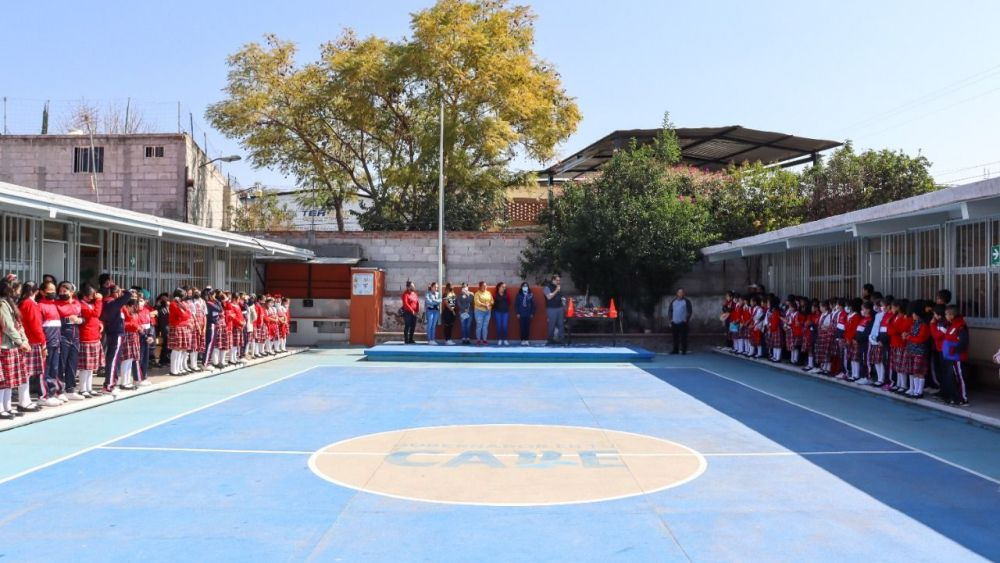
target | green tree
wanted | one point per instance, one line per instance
(363, 120)
(628, 234)
(262, 212)
(851, 181)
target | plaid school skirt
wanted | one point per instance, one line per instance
(198, 338)
(223, 336)
(875, 353)
(237, 337)
(853, 351)
(260, 333)
(283, 330)
(792, 342)
(744, 332)
(34, 365)
(131, 343)
(12, 367)
(914, 364)
(824, 343)
(807, 340)
(91, 356)
(755, 337)
(180, 338)
(774, 338)
(897, 359)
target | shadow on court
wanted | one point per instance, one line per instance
(957, 504)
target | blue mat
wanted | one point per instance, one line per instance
(425, 353)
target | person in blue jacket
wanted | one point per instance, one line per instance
(524, 307)
(114, 329)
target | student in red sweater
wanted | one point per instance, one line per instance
(410, 308)
(234, 322)
(900, 326)
(918, 342)
(774, 329)
(260, 327)
(34, 359)
(955, 353)
(131, 347)
(850, 343)
(91, 352)
(180, 334)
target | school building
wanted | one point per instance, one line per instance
(73, 239)
(947, 239)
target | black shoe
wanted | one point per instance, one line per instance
(6, 416)
(30, 408)
(962, 403)
(17, 413)
(128, 387)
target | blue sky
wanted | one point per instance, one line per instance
(915, 75)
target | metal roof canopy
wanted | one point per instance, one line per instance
(710, 148)
(47, 205)
(978, 200)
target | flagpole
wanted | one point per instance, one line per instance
(441, 201)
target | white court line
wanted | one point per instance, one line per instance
(452, 454)
(856, 427)
(148, 427)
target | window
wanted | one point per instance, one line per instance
(154, 152)
(82, 159)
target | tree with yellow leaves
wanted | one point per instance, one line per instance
(363, 120)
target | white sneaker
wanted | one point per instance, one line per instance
(450, 343)
(61, 397)
(74, 396)
(145, 383)
(432, 343)
(114, 393)
(51, 402)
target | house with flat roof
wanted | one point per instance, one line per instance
(162, 174)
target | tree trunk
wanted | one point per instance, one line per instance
(338, 208)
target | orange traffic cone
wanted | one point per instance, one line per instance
(612, 312)
(570, 311)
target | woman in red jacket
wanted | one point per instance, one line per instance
(179, 333)
(34, 360)
(259, 327)
(52, 389)
(91, 352)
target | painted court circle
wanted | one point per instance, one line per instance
(507, 464)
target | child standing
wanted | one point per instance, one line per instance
(91, 353)
(915, 356)
(900, 326)
(860, 372)
(955, 353)
(824, 338)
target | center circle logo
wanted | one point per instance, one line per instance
(507, 464)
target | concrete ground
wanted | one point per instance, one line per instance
(320, 456)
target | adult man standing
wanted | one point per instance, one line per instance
(680, 315)
(554, 309)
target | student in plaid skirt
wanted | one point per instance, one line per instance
(917, 346)
(234, 322)
(180, 339)
(91, 353)
(131, 348)
(34, 360)
(13, 344)
(877, 340)
(286, 318)
(774, 324)
(810, 317)
(824, 337)
(259, 327)
(900, 326)
(793, 330)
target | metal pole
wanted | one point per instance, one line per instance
(93, 161)
(5, 115)
(441, 202)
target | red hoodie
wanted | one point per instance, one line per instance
(68, 308)
(411, 303)
(958, 332)
(179, 314)
(234, 317)
(50, 310)
(90, 330)
(851, 326)
(31, 319)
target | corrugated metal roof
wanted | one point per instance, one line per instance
(711, 148)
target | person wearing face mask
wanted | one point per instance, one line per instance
(69, 344)
(131, 349)
(31, 320)
(180, 333)
(449, 312)
(114, 330)
(234, 324)
(163, 327)
(464, 303)
(13, 343)
(501, 312)
(91, 354)
(213, 311)
(51, 390)
(147, 337)
(524, 307)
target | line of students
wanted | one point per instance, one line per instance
(56, 338)
(891, 343)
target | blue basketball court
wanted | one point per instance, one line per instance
(323, 456)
